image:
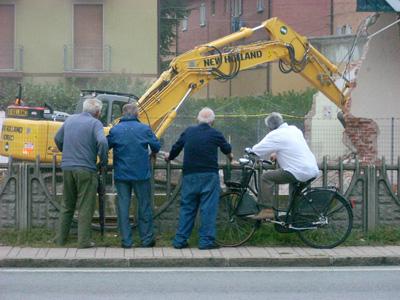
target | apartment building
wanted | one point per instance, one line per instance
(49, 40)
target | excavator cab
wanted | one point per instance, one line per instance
(112, 104)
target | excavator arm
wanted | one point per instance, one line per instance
(194, 69)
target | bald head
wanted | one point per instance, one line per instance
(206, 116)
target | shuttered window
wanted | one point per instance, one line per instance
(7, 16)
(88, 37)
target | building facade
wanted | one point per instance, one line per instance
(47, 40)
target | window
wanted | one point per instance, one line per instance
(236, 8)
(213, 7)
(185, 24)
(344, 30)
(202, 14)
(104, 113)
(88, 37)
(7, 18)
(260, 5)
(116, 110)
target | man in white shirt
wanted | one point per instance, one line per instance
(285, 144)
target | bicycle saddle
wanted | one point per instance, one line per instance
(300, 185)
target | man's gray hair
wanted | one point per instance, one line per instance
(92, 106)
(274, 120)
(206, 115)
(130, 110)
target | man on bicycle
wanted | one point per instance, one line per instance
(285, 144)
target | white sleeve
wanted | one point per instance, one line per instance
(265, 147)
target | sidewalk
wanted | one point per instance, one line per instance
(192, 257)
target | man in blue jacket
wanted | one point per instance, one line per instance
(200, 186)
(130, 141)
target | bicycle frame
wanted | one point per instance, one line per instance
(321, 216)
(297, 192)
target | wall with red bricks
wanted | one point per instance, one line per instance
(345, 15)
(308, 17)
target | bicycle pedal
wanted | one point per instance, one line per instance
(282, 228)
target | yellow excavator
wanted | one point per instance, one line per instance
(30, 138)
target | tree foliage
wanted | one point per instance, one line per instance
(171, 13)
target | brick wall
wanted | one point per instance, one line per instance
(345, 15)
(308, 17)
(363, 133)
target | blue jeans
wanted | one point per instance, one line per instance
(142, 189)
(199, 191)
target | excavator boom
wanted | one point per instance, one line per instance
(221, 60)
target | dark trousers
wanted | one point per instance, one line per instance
(200, 191)
(272, 177)
(80, 188)
(142, 189)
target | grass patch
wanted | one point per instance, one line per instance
(45, 238)
(265, 236)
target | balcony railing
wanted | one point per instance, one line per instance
(11, 58)
(87, 59)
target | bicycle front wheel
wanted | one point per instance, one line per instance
(326, 218)
(233, 230)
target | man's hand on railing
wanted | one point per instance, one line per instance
(153, 156)
(166, 156)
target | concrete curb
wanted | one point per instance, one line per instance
(197, 262)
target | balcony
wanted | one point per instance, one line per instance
(86, 61)
(11, 60)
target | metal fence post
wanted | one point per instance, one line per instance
(391, 147)
(324, 171)
(371, 199)
(341, 174)
(22, 198)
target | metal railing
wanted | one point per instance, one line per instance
(30, 189)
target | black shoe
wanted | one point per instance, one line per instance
(126, 246)
(183, 246)
(150, 245)
(90, 245)
(209, 247)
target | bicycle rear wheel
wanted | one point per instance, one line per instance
(328, 215)
(233, 230)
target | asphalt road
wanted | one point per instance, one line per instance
(219, 283)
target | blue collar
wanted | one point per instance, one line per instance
(127, 119)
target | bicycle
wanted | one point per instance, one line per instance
(321, 216)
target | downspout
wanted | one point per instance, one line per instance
(332, 17)
(269, 15)
(158, 39)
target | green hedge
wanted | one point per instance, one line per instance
(63, 95)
